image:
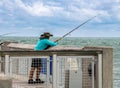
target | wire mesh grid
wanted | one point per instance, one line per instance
(19, 70)
(75, 72)
(72, 71)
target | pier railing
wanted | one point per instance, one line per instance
(67, 68)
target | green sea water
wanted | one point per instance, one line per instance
(81, 42)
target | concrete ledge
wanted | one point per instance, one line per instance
(5, 83)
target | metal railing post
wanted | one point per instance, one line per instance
(10, 67)
(54, 71)
(57, 72)
(93, 74)
(99, 70)
(6, 64)
(0, 63)
(48, 73)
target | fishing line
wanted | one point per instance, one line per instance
(76, 28)
(8, 33)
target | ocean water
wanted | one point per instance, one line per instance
(81, 42)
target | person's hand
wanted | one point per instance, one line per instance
(56, 41)
(47, 47)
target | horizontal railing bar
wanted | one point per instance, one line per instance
(48, 53)
(116, 79)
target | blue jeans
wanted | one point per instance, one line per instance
(44, 65)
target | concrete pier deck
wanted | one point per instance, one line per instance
(23, 84)
(19, 81)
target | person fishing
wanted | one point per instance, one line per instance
(42, 44)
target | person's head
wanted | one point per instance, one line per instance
(45, 35)
(41, 36)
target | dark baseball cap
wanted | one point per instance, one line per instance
(46, 34)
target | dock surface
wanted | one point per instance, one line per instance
(19, 81)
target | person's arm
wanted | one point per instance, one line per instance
(50, 43)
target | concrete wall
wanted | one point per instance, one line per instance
(5, 83)
(107, 63)
(107, 68)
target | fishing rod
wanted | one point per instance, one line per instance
(75, 29)
(6, 34)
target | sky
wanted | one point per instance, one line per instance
(34, 17)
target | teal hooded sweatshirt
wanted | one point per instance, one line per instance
(42, 44)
